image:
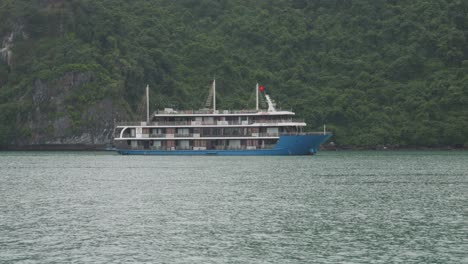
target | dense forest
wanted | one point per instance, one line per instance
(376, 72)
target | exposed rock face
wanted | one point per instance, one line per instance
(50, 121)
(6, 53)
(51, 116)
(98, 131)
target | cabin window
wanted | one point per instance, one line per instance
(217, 132)
(183, 131)
(272, 130)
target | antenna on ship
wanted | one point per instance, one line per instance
(147, 104)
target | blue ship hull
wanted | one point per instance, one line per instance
(287, 145)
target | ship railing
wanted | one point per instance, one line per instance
(157, 135)
(166, 148)
(183, 135)
(210, 111)
(146, 124)
(230, 135)
(267, 134)
(304, 133)
(253, 135)
(225, 135)
(166, 123)
(269, 146)
(199, 136)
(280, 121)
(210, 123)
(124, 123)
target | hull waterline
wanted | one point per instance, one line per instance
(287, 145)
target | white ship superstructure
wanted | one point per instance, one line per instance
(212, 131)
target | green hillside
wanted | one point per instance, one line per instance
(376, 72)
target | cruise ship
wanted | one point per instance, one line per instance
(210, 131)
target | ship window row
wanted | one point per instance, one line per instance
(207, 132)
(220, 144)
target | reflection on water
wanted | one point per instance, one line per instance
(353, 207)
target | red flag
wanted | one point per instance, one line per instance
(261, 88)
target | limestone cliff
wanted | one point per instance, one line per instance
(47, 94)
(51, 120)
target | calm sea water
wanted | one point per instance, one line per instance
(336, 207)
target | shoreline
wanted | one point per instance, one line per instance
(57, 147)
(107, 147)
(390, 148)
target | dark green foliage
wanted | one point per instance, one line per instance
(376, 72)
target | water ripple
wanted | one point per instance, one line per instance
(336, 207)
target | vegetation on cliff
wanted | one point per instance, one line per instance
(379, 72)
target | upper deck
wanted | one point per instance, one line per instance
(169, 112)
(210, 118)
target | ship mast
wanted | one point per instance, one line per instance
(147, 104)
(256, 92)
(214, 95)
